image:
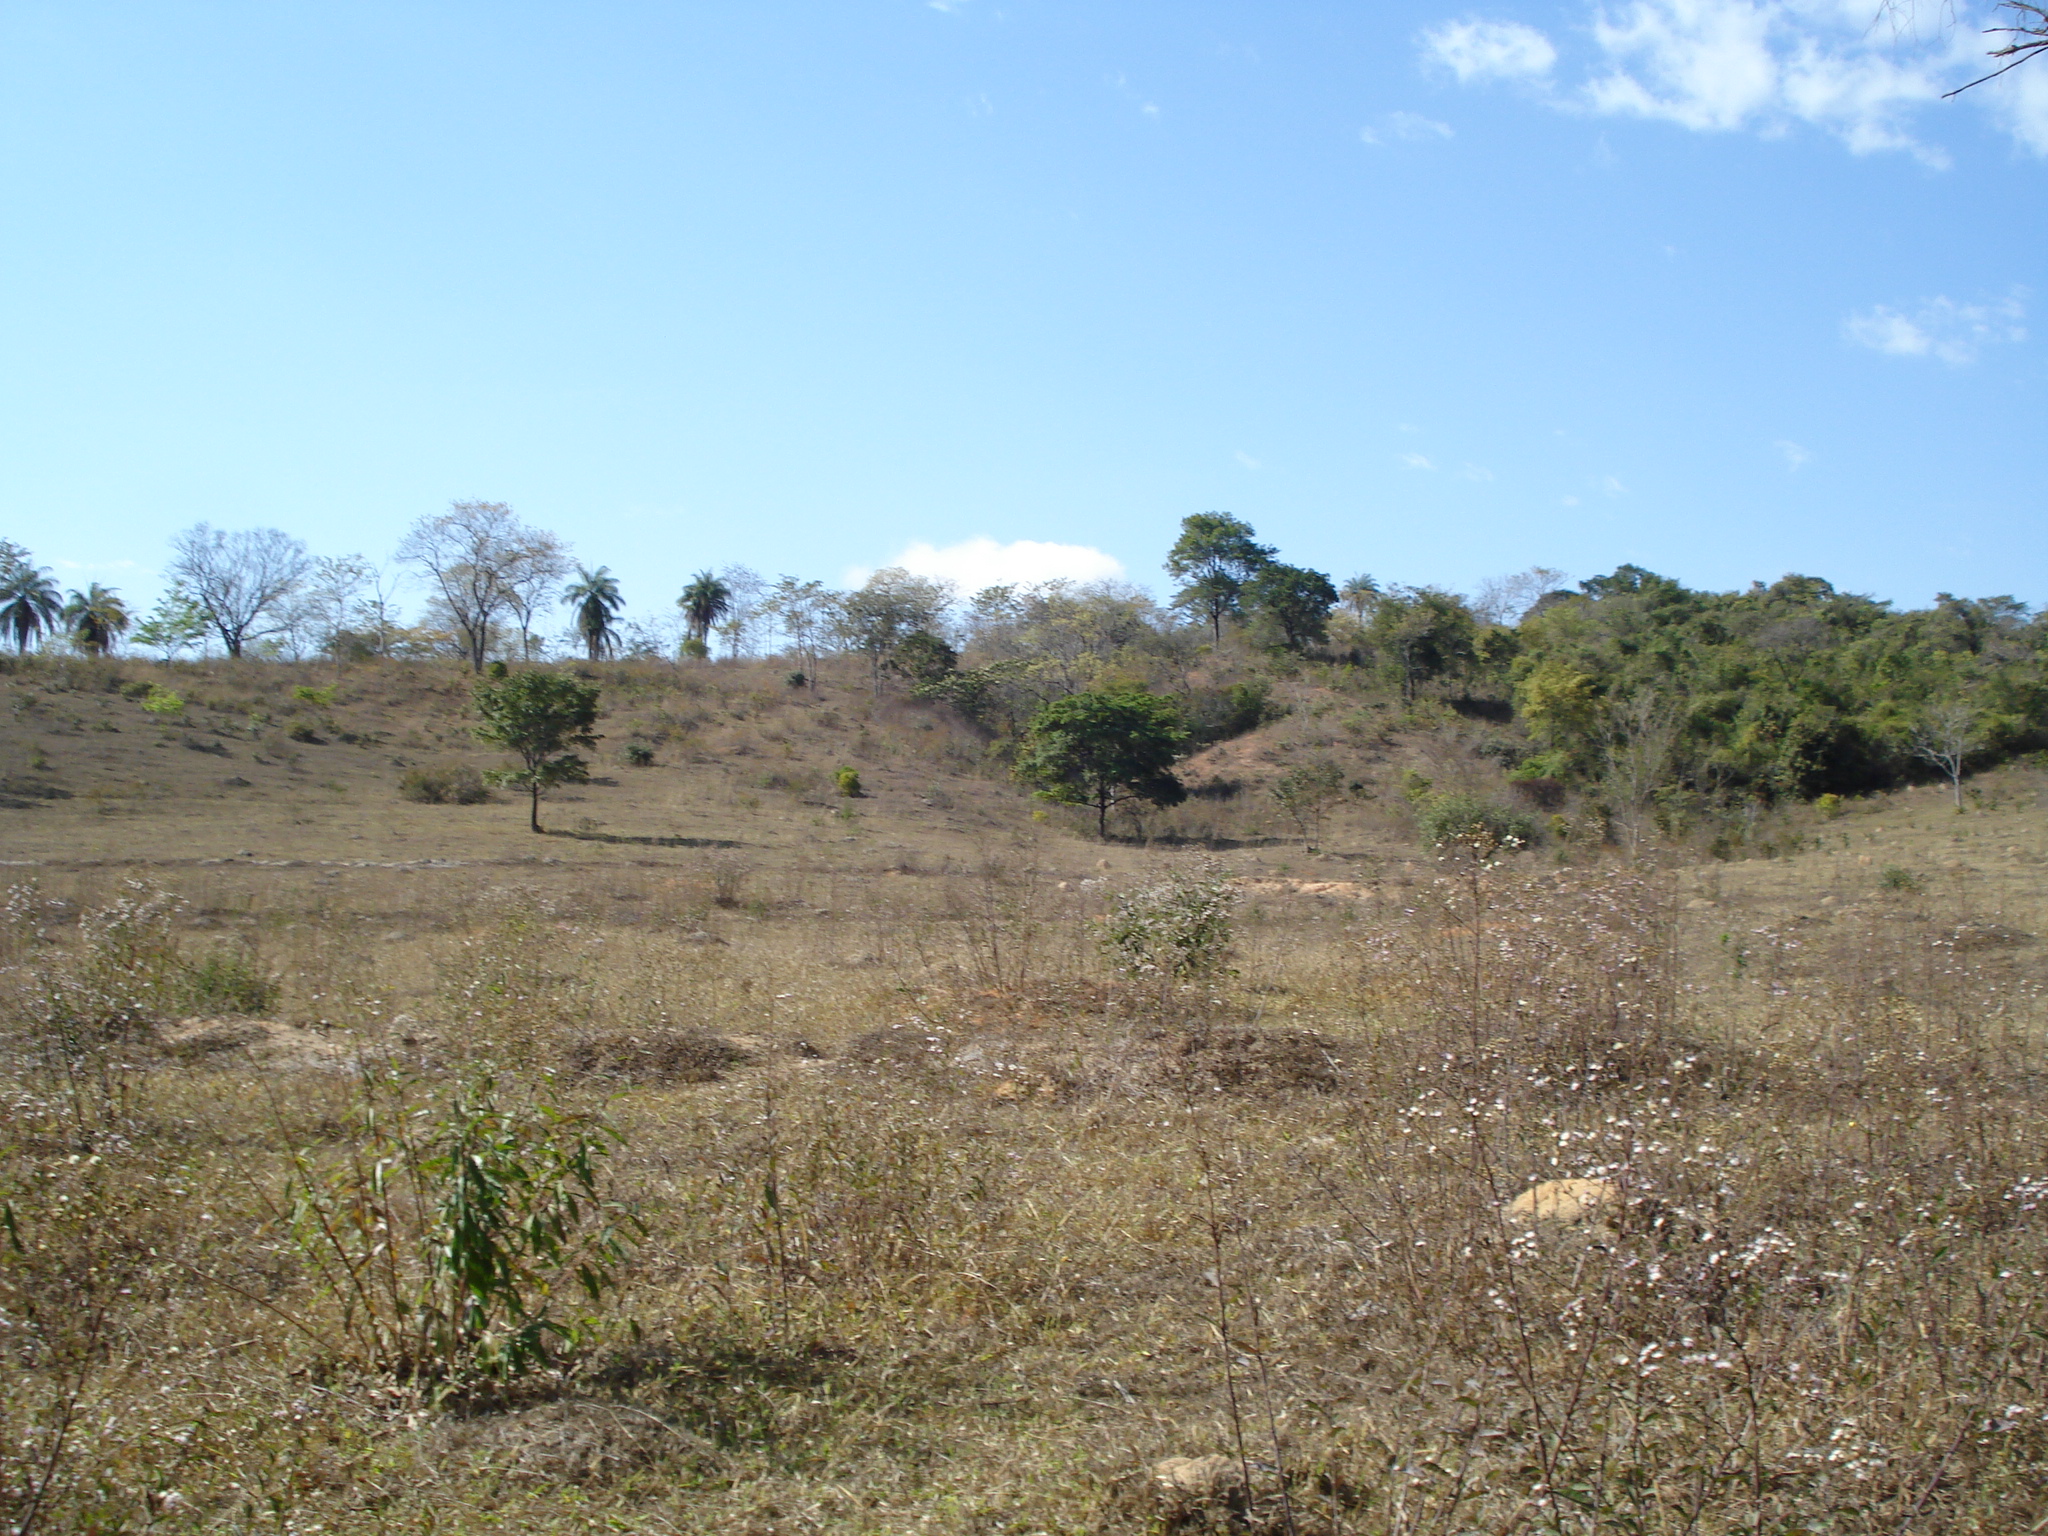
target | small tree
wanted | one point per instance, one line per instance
(1103, 749)
(1306, 793)
(1945, 737)
(173, 624)
(538, 716)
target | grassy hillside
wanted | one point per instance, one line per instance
(930, 1214)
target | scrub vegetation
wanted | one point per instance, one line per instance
(872, 1106)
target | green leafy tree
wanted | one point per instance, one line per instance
(1214, 557)
(173, 624)
(594, 595)
(1289, 604)
(1422, 633)
(538, 716)
(894, 605)
(923, 658)
(29, 602)
(704, 602)
(1103, 749)
(97, 618)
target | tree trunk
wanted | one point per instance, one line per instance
(535, 787)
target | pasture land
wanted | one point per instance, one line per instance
(926, 1217)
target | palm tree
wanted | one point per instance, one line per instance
(704, 602)
(96, 618)
(29, 604)
(595, 597)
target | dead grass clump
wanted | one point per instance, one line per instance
(656, 1056)
(915, 1047)
(578, 1444)
(1249, 1061)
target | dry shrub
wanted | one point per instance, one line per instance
(456, 785)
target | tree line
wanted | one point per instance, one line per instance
(1660, 698)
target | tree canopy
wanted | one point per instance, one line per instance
(1103, 749)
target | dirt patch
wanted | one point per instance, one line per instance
(577, 1443)
(658, 1056)
(230, 1042)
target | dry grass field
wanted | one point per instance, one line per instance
(904, 1206)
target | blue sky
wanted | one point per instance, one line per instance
(1430, 291)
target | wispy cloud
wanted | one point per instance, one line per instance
(1612, 486)
(1247, 460)
(1793, 454)
(1474, 472)
(976, 563)
(1405, 128)
(1765, 66)
(1489, 50)
(1940, 328)
(1416, 461)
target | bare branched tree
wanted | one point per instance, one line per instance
(239, 580)
(1945, 737)
(2026, 38)
(1504, 599)
(480, 562)
(1637, 740)
(533, 583)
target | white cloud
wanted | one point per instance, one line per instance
(1416, 461)
(1489, 50)
(1474, 472)
(2020, 101)
(1568, 501)
(976, 563)
(1406, 128)
(1794, 455)
(1940, 327)
(1613, 487)
(1247, 460)
(1765, 66)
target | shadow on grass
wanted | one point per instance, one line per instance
(642, 842)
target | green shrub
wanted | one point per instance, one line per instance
(1896, 877)
(159, 700)
(302, 729)
(1175, 930)
(451, 1233)
(321, 698)
(1828, 807)
(847, 780)
(1481, 827)
(229, 981)
(459, 785)
(638, 755)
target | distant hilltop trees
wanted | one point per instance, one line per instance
(1661, 696)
